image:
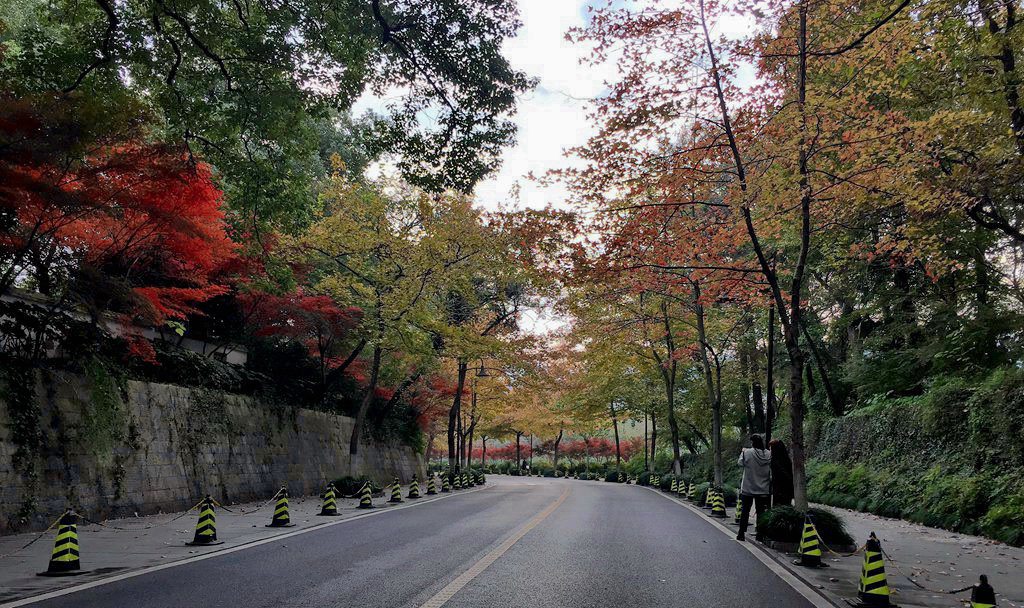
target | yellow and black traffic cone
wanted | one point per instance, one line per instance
(810, 548)
(576, 475)
(622, 477)
(446, 484)
(873, 590)
(708, 497)
(366, 497)
(64, 559)
(738, 514)
(458, 482)
(681, 490)
(414, 488)
(281, 519)
(466, 483)
(431, 486)
(330, 506)
(692, 494)
(718, 505)
(396, 492)
(206, 525)
(675, 486)
(983, 595)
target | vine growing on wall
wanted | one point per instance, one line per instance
(18, 392)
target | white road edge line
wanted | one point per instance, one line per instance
(810, 593)
(198, 558)
(441, 597)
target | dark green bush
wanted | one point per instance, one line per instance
(786, 524)
(613, 476)
(350, 486)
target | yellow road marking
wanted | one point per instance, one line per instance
(463, 579)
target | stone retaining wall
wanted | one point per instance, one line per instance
(145, 448)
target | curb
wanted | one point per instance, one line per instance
(782, 569)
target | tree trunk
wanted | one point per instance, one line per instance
(455, 413)
(654, 440)
(645, 443)
(483, 451)
(519, 458)
(615, 425)
(714, 399)
(364, 405)
(668, 371)
(769, 415)
(558, 440)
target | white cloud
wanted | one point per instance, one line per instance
(553, 117)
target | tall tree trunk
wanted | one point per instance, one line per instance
(483, 451)
(654, 440)
(645, 443)
(519, 456)
(558, 440)
(769, 415)
(615, 425)
(455, 413)
(668, 370)
(714, 400)
(364, 405)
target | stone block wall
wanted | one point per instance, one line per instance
(145, 448)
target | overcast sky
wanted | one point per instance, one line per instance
(552, 117)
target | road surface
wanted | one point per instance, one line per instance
(526, 542)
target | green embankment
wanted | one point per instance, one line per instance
(951, 458)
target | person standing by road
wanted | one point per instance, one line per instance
(782, 474)
(756, 485)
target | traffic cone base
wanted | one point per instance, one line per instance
(281, 518)
(396, 492)
(64, 558)
(365, 497)
(873, 590)
(206, 526)
(330, 506)
(718, 506)
(810, 550)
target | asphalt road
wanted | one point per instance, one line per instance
(587, 544)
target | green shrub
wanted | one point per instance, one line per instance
(350, 486)
(613, 476)
(786, 524)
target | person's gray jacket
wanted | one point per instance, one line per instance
(757, 471)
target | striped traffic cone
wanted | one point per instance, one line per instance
(64, 558)
(396, 492)
(366, 497)
(466, 483)
(681, 490)
(414, 488)
(281, 518)
(330, 507)
(446, 484)
(738, 516)
(982, 594)
(675, 486)
(692, 494)
(718, 505)
(457, 482)
(206, 525)
(873, 590)
(431, 486)
(708, 497)
(810, 550)
(481, 479)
